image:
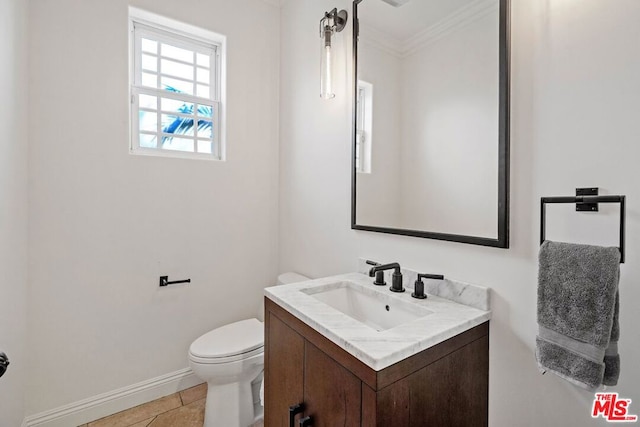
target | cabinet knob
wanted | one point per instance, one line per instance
(306, 422)
(293, 411)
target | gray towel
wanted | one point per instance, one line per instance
(578, 313)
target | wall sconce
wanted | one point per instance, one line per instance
(332, 22)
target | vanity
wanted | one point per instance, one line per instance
(340, 351)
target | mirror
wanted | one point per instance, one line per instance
(431, 119)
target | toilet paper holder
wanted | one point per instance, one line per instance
(164, 281)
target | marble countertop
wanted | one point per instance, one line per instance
(445, 318)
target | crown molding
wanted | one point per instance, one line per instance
(456, 21)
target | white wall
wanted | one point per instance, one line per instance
(105, 224)
(575, 88)
(315, 148)
(13, 208)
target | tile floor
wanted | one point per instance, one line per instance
(183, 409)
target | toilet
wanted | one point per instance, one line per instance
(229, 358)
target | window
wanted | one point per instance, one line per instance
(364, 120)
(176, 88)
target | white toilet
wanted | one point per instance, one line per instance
(229, 358)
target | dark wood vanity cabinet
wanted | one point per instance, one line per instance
(445, 385)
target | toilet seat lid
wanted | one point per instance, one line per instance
(230, 340)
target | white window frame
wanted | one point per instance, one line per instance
(189, 37)
(364, 127)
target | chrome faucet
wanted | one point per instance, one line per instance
(396, 283)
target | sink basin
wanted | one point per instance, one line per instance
(369, 306)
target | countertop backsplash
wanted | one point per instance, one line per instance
(464, 293)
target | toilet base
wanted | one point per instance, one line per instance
(229, 405)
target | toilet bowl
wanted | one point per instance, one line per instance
(229, 358)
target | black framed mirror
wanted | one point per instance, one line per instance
(431, 119)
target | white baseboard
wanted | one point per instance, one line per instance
(109, 403)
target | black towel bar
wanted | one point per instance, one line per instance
(584, 199)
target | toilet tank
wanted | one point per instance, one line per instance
(290, 277)
(283, 279)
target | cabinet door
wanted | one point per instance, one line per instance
(452, 391)
(331, 393)
(284, 373)
(461, 397)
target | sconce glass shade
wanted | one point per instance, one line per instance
(326, 65)
(331, 23)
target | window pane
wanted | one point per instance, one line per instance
(204, 147)
(147, 101)
(203, 60)
(203, 75)
(148, 121)
(149, 79)
(178, 86)
(203, 91)
(205, 110)
(176, 69)
(205, 129)
(177, 125)
(176, 106)
(147, 141)
(150, 62)
(177, 53)
(178, 144)
(150, 46)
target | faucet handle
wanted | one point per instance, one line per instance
(379, 274)
(418, 286)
